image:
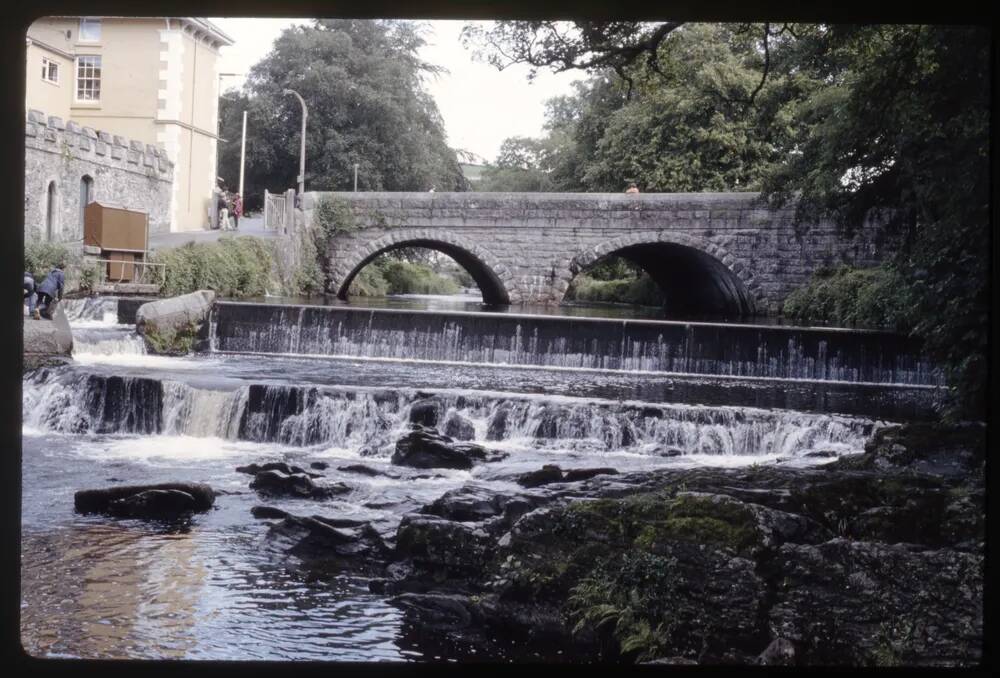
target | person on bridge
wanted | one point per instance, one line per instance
(632, 188)
(49, 291)
(29, 292)
(237, 210)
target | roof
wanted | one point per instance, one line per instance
(198, 22)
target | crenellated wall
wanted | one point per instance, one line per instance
(125, 172)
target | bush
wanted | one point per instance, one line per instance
(868, 297)
(233, 267)
(387, 275)
(638, 291)
(40, 257)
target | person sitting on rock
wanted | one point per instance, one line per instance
(49, 291)
(29, 292)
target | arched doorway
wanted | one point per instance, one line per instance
(50, 212)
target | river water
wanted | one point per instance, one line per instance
(334, 384)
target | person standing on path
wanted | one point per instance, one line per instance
(29, 292)
(49, 291)
(237, 210)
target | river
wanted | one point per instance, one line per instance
(333, 384)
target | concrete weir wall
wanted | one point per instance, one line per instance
(124, 172)
(711, 251)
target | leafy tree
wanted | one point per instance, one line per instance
(363, 84)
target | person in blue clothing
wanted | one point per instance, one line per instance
(29, 292)
(50, 289)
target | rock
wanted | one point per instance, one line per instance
(458, 427)
(294, 485)
(268, 512)
(543, 476)
(497, 428)
(47, 342)
(425, 448)
(362, 469)
(472, 503)
(781, 652)
(572, 475)
(425, 412)
(254, 469)
(668, 452)
(175, 313)
(442, 546)
(154, 504)
(325, 546)
(100, 500)
(435, 611)
(849, 603)
(319, 465)
(820, 454)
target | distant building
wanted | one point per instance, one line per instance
(150, 85)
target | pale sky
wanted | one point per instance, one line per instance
(480, 105)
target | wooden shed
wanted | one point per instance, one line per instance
(121, 234)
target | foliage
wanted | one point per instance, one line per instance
(389, 275)
(362, 81)
(638, 290)
(332, 216)
(41, 256)
(90, 275)
(233, 267)
(846, 296)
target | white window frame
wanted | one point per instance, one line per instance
(76, 80)
(47, 69)
(91, 23)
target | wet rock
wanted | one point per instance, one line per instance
(459, 428)
(277, 483)
(781, 652)
(362, 469)
(497, 428)
(319, 465)
(425, 448)
(575, 474)
(154, 504)
(472, 503)
(668, 452)
(268, 513)
(442, 547)
(357, 547)
(862, 604)
(549, 473)
(435, 611)
(288, 469)
(820, 454)
(99, 500)
(425, 412)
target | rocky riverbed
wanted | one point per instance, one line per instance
(871, 560)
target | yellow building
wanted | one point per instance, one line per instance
(151, 79)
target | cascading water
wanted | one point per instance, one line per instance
(96, 330)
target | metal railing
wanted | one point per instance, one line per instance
(137, 272)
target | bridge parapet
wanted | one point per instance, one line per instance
(530, 245)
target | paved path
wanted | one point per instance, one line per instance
(248, 226)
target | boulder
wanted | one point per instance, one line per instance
(154, 504)
(574, 474)
(319, 465)
(254, 469)
(442, 547)
(543, 476)
(425, 412)
(472, 503)
(362, 469)
(111, 499)
(458, 427)
(163, 321)
(426, 448)
(435, 611)
(276, 483)
(47, 342)
(331, 544)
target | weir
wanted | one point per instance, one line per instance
(589, 343)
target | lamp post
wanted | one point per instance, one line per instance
(302, 151)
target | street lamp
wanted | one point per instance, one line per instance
(302, 151)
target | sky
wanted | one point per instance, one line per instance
(480, 105)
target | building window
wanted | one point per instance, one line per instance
(50, 71)
(90, 30)
(88, 78)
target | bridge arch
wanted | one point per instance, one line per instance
(494, 279)
(696, 275)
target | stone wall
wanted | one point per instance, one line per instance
(533, 244)
(125, 173)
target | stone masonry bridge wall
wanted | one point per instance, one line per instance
(527, 247)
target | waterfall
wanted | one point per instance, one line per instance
(572, 342)
(372, 420)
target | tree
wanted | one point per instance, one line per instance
(363, 83)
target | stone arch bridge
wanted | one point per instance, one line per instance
(709, 252)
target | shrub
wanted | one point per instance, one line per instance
(639, 291)
(40, 257)
(233, 267)
(867, 297)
